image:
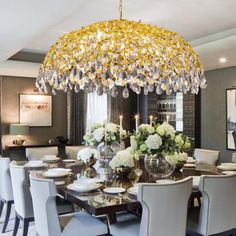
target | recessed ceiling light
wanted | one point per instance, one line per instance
(222, 60)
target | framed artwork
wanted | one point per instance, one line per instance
(36, 110)
(231, 119)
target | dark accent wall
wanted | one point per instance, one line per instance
(10, 90)
(213, 110)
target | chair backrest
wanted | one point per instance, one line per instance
(234, 157)
(208, 156)
(21, 191)
(164, 208)
(43, 193)
(39, 153)
(218, 209)
(5, 180)
(71, 151)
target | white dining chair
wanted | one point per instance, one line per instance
(164, 210)
(210, 157)
(22, 197)
(72, 151)
(47, 222)
(38, 153)
(217, 215)
(6, 194)
(234, 157)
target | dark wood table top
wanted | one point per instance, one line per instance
(98, 202)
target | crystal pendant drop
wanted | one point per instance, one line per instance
(150, 87)
(76, 88)
(54, 92)
(138, 90)
(100, 90)
(114, 91)
(203, 83)
(145, 90)
(159, 89)
(125, 92)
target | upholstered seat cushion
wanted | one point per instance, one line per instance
(84, 224)
(126, 228)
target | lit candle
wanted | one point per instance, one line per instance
(167, 119)
(150, 119)
(136, 123)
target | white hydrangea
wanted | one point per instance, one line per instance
(150, 129)
(111, 127)
(85, 153)
(153, 141)
(165, 129)
(99, 134)
(176, 157)
(123, 158)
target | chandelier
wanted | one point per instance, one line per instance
(120, 53)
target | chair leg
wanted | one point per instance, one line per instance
(25, 227)
(1, 207)
(16, 226)
(7, 217)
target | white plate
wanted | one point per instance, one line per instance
(228, 172)
(226, 167)
(87, 181)
(35, 164)
(69, 160)
(50, 158)
(191, 160)
(83, 188)
(114, 190)
(189, 165)
(196, 181)
(55, 174)
(59, 170)
(133, 190)
(164, 181)
(228, 164)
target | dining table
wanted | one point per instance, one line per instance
(98, 202)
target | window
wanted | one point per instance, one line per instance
(179, 111)
(96, 109)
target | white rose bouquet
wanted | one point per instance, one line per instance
(107, 133)
(160, 138)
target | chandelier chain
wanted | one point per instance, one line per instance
(120, 9)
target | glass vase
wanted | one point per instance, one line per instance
(157, 166)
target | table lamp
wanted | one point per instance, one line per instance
(19, 129)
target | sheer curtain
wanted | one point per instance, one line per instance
(96, 109)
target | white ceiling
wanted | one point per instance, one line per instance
(209, 25)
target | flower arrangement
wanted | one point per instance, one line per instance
(123, 158)
(160, 138)
(107, 133)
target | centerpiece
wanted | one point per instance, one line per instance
(163, 148)
(123, 162)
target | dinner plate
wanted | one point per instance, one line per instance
(114, 190)
(69, 160)
(189, 165)
(50, 158)
(59, 170)
(226, 167)
(133, 190)
(191, 160)
(87, 180)
(228, 172)
(164, 181)
(55, 174)
(35, 164)
(83, 188)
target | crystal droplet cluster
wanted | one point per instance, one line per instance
(124, 53)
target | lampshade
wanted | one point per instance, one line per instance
(102, 56)
(19, 129)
